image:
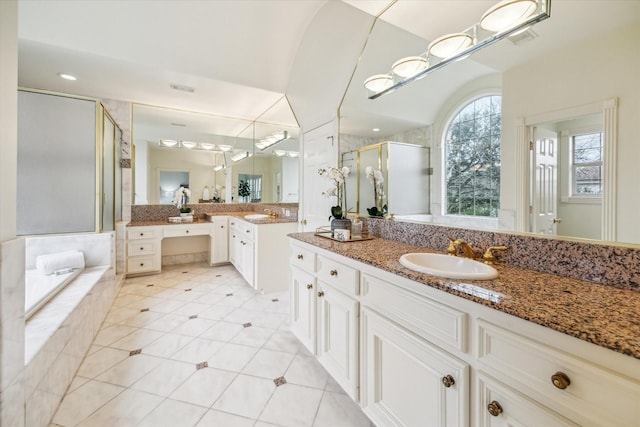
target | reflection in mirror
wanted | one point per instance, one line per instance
(519, 70)
(170, 181)
(213, 151)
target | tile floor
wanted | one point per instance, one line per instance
(196, 346)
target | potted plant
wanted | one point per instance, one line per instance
(244, 190)
(337, 176)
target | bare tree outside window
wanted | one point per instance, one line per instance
(472, 159)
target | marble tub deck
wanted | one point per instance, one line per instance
(603, 315)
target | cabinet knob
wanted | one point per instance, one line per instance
(560, 380)
(187, 231)
(142, 264)
(222, 226)
(141, 234)
(247, 231)
(494, 408)
(320, 294)
(300, 256)
(142, 248)
(309, 286)
(333, 272)
(448, 381)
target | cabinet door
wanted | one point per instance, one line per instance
(337, 339)
(234, 246)
(247, 263)
(219, 241)
(303, 308)
(406, 381)
(501, 406)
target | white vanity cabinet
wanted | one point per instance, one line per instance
(424, 357)
(242, 248)
(144, 249)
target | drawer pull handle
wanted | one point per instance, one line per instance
(309, 286)
(494, 408)
(448, 381)
(560, 380)
(300, 256)
(333, 272)
(320, 294)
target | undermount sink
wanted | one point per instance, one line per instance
(452, 267)
(256, 216)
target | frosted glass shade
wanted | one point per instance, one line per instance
(507, 14)
(409, 66)
(450, 45)
(378, 82)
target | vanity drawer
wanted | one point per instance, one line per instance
(432, 320)
(340, 276)
(187, 230)
(246, 229)
(529, 365)
(135, 233)
(142, 247)
(142, 264)
(302, 258)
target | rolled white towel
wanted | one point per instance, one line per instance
(50, 263)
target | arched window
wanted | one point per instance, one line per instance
(472, 159)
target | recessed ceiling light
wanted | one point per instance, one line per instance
(375, 130)
(67, 76)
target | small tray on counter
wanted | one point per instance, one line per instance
(327, 234)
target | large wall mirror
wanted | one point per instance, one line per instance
(535, 76)
(215, 156)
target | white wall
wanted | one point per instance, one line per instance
(590, 72)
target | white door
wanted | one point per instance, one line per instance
(320, 149)
(303, 308)
(337, 342)
(544, 192)
(407, 381)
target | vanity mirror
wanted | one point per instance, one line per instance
(212, 154)
(546, 80)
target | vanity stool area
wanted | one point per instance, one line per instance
(256, 247)
(528, 348)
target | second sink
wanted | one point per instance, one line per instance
(448, 266)
(256, 216)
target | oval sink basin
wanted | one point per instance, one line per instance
(448, 266)
(256, 216)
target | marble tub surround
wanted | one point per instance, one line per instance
(603, 315)
(143, 213)
(98, 248)
(616, 266)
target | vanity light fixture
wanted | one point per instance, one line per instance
(378, 82)
(67, 77)
(376, 129)
(272, 140)
(279, 153)
(293, 153)
(188, 144)
(502, 20)
(168, 142)
(224, 147)
(506, 14)
(207, 146)
(218, 168)
(409, 66)
(450, 45)
(239, 156)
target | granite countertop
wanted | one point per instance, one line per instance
(204, 220)
(603, 315)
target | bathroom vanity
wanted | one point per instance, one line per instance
(526, 348)
(257, 248)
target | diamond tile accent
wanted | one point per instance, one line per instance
(184, 272)
(202, 365)
(150, 285)
(134, 352)
(193, 316)
(279, 381)
(142, 310)
(246, 325)
(229, 295)
(275, 300)
(188, 290)
(218, 275)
